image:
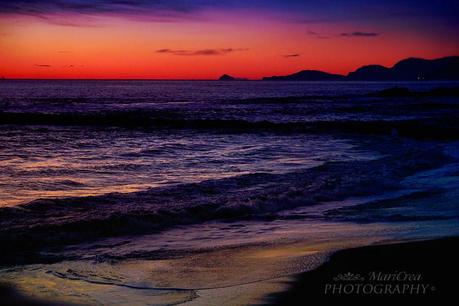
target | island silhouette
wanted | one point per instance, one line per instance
(410, 69)
(227, 77)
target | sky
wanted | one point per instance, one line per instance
(203, 39)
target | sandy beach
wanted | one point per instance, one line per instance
(410, 271)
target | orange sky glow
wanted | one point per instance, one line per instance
(237, 43)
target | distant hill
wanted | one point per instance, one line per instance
(307, 75)
(410, 69)
(227, 77)
(371, 72)
(446, 68)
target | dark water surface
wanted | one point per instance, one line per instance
(90, 159)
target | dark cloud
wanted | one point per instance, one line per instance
(221, 51)
(70, 21)
(404, 13)
(344, 34)
(32, 7)
(291, 55)
(318, 35)
(42, 65)
(83, 12)
(360, 34)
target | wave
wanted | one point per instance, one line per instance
(431, 114)
(31, 227)
(423, 128)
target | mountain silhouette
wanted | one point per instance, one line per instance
(227, 77)
(410, 69)
(307, 75)
(371, 72)
(446, 68)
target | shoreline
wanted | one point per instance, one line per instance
(433, 259)
(407, 271)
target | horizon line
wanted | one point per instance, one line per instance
(217, 80)
(3, 77)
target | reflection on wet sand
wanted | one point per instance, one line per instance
(241, 273)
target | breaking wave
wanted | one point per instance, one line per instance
(57, 222)
(429, 128)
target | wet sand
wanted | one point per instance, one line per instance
(269, 277)
(240, 275)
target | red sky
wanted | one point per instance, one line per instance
(242, 41)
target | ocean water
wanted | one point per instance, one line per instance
(80, 138)
(146, 142)
(96, 171)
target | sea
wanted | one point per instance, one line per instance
(100, 173)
